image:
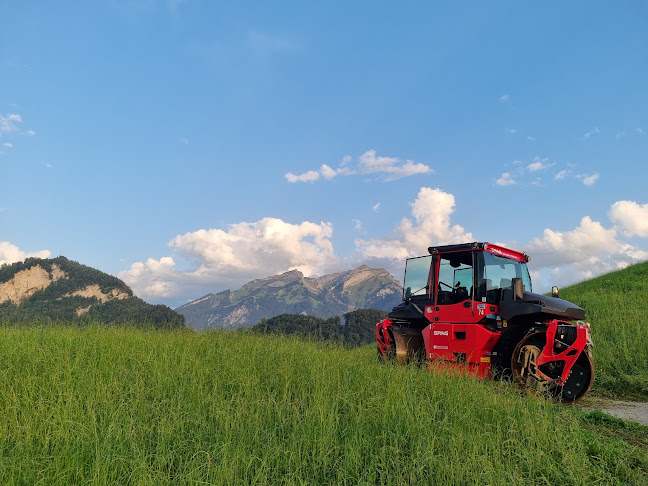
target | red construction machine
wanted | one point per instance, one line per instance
(470, 307)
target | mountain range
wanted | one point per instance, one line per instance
(292, 293)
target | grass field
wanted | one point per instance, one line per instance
(101, 405)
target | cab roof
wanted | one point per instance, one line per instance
(475, 246)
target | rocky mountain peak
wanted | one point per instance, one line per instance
(275, 280)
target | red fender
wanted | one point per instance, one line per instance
(569, 355)
(382, 335)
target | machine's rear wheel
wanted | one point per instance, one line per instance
(525, 371)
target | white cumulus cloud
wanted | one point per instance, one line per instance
(589, 180)
(391, 168)
(587, 240)
(584, 252)
(561, 175)
(630, 217)
(310, 176)
(8, 123)
(593, 131)
(538, 164)
(327, 172)
(431, 226)
(506, 180)
(225, 259)
(369, 163)
(11, 253)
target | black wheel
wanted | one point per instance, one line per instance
(525, 371)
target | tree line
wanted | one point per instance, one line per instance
(353, 329)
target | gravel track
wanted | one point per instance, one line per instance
(626, 410)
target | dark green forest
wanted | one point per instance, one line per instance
(353, 329)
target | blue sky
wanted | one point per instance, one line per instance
(190, 146)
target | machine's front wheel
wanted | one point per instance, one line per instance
(390, 352)
(526, 372)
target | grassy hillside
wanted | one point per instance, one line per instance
(617, 308)
(112, 405)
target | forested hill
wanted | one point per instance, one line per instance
(355, 328)
(64, 290)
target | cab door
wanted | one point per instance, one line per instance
(454, 335)
(453, 289)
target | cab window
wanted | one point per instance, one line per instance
(455, 278)
(417, 274)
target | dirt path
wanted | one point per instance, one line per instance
(637, 411)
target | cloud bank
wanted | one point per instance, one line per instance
(222, 259)
(558, 257)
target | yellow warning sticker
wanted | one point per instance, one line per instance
(485, 359)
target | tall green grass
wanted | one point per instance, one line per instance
(617, 307)
(103, 405)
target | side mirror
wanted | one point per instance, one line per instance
(518, 288)
(408, 293)
(554, 291)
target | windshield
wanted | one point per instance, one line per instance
(498, 273)
(417, 271)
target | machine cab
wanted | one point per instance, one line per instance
(463, 274)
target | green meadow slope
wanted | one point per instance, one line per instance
(115, 405)
(617, 308)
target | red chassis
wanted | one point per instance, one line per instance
(468, 347)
